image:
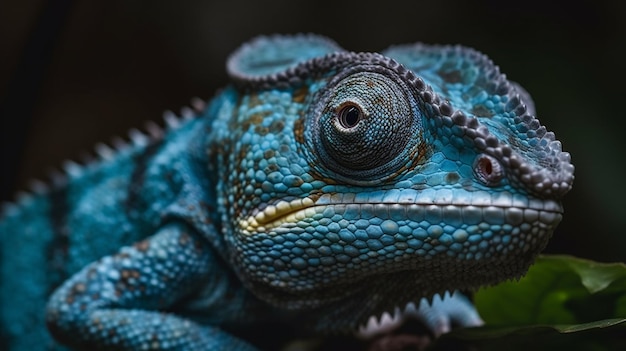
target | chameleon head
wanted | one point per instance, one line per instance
(400, 174)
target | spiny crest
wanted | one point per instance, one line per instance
(389, 320)
(103, 153)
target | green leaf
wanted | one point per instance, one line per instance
(563, 302)
(557, 290)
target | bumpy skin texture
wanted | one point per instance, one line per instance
(322, 187)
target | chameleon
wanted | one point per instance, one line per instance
(323, 189)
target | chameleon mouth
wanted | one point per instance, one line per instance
(280, 213)
(477, 207)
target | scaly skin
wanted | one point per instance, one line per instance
(321, 188)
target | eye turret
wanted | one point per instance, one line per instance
(366, 124)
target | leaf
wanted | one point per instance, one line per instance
(596, 276)
(557, 290)
(600, 335)
(563, 302)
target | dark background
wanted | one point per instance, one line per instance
(75, 73)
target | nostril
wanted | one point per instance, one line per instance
(488, 170)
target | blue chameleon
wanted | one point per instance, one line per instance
(328, 190)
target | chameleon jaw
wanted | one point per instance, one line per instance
(428, 232)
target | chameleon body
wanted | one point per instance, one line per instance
(322, 187)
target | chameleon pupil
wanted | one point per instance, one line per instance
(349, 117)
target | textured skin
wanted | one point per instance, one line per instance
(321, 188)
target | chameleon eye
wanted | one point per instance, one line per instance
(365, 127)
(349, 116)
(488, 170)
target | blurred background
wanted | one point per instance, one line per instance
(74, 73)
